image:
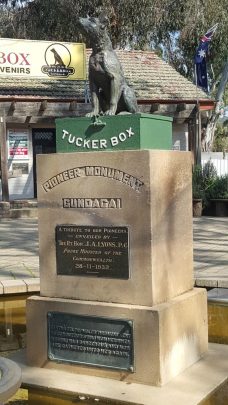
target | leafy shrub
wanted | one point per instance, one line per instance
(197, 182)
(209, 174)
(219, 188)
(203, 179)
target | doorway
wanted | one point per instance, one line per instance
(43, 141)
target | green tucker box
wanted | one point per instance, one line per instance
(119, 132)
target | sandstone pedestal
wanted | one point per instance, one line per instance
(167, 338)
(116, 263)
(140, 201)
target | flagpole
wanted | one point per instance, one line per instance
(198, 126)
(200, 62)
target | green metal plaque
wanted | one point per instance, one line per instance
(91, 341)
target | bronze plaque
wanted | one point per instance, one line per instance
(88, 340)
(98, 251)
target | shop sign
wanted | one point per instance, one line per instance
(17, 144)
(42, 59)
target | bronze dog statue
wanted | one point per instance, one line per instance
(110, 93)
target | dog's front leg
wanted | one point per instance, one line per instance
(94, 101)
(114, 96)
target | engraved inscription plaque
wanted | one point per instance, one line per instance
(93, 341)
(98, 251)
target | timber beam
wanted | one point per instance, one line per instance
(43, 106)
(73, 106)
(12, 106)
(182, 107)
(179, 111)
(4, 159)
(38, 111)
(155, 107)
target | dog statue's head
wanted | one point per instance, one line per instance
(94, 27)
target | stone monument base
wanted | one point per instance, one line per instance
(195, 386)
(167, 338)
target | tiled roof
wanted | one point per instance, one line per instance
(151, 77)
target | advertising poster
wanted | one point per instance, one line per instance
(18, 144)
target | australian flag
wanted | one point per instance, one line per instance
(200, 59)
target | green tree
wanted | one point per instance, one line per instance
(174, 27)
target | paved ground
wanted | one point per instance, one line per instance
(211, 251)
(19, 263)
(18, 249)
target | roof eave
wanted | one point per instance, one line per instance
(205, 103)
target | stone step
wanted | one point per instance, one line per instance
(23, 204)
(198, 384)
(23, 213)
(18, 209)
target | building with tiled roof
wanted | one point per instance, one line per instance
(30, 106)
(152, 78)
